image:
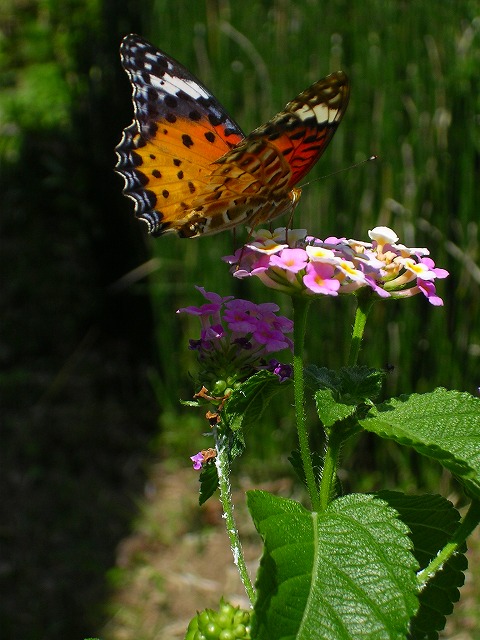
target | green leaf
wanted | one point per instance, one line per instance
(322, 378)
(347, 573)
(339, 396)
(247, 402)
(443, 425)
(329, 410)
(432, 521)
(208, 482)
(236, 445)
(351, 385)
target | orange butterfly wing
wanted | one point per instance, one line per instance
(186, 163)
(179, 129)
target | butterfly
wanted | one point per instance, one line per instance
(186, 163)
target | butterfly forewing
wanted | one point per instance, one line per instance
(178, 130)
(186, 163)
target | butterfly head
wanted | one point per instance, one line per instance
(294, 196)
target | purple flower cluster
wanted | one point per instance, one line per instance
(236, 338)
(299, 264)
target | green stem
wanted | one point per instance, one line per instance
(468, 524)
(300, 313)
(223, 471)
(334, 440)
(329, 471)
(364, 304)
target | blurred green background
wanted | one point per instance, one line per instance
(93, 358)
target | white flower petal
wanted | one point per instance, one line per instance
(383, 235)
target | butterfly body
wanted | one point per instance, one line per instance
(188, 166)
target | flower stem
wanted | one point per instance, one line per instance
(468, 524)
(300, 312)
(334, 439)
(364, 304)
(223, 471)
(329, 471)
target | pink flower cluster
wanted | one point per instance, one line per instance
(292, 261)
(236, 338)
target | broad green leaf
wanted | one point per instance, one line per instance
(432, 521)
(443, 425)
(351, 385)
(247, 402)
(329, 410)
(339, 395)
(347, 573)
(322, 378)
(360, 384)
(208, 482)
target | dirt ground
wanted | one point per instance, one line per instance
(178, 561)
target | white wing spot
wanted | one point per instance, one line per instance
(322, 113)
(304, 112)
(150, 56)
(157, 83)
(191, 88)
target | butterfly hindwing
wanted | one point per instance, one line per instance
(313, 118)
(186, 163)
(277, 155)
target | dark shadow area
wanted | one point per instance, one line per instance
(77, 409)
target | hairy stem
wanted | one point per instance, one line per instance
(364, 303)
(300, 312)
(329, 471)
(223, 471)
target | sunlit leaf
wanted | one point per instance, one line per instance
(347, 573)
(432, 521)
(443, 425)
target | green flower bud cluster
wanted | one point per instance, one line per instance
(228, 623)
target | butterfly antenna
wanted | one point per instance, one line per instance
(334, 173)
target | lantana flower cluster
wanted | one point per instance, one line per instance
(237, 339)
(298, 264)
